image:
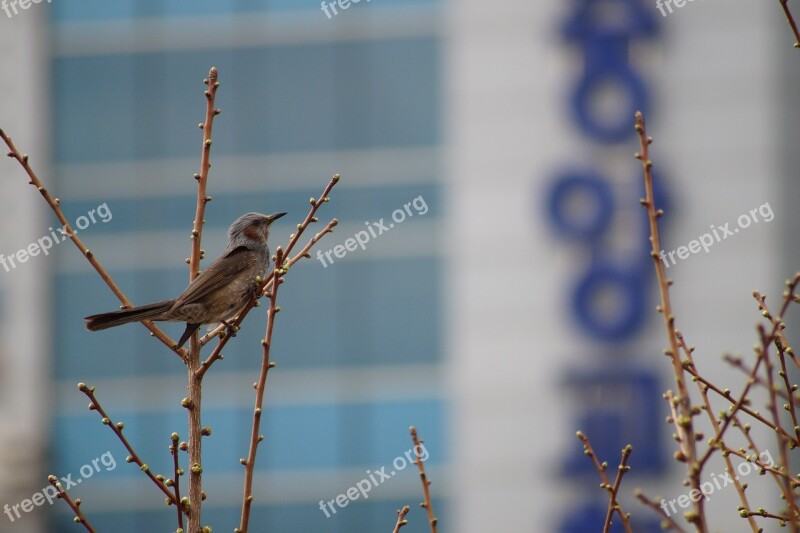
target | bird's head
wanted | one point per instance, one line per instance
(251, 229)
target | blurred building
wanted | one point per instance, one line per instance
(511, 305)
(25, 305)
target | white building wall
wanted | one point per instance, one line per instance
(712, 75)
(25, 313)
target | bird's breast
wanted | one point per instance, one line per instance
(228, 299)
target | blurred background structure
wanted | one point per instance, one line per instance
(516, 309)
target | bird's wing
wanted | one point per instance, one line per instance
(220, 272)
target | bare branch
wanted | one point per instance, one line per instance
(55, 205)
(75, 505)
(685, 413)
(401, 518)
(195, 379)
(117, 428)
(613, 504)
(426, 504)
(260, 386)
(792, 23)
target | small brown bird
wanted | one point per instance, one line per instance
(219, 292)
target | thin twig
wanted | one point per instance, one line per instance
(689, 366)
(754, 459)
(792, 24)
(260, 386)
(668, 523)
(117, 428)
(737, 363)
(765, 514)
(669, 396)
(426, 504)
(789, 395)
(729, 417)
(684, 422)
(783, 446)
(177, 471)
(777, 475)
(310, 218)
(613, 504)
(202, 177)
(727, 395)
(401, 518)
(765, 344)
(55, 205)
(785, 441)
(790, 405)
(74, 505)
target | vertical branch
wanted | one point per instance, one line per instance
(260, 386)
(192, 404)
(789, 406)
(424, 479)
(176, 480)
(613, 504)
(776, 337)
(202, 177)
(704, 388)
(684, 422)
(195, 379)
(783, 445)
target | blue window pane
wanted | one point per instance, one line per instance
(351, 206)
(98, 10)
(299, 437)
(278, 99)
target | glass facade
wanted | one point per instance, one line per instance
(358, 344)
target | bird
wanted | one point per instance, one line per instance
(218, 293)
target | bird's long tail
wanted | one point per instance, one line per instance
(125, 316)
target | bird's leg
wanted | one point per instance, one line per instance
(231, 328)
(257, 292)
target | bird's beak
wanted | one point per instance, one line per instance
(275, 216)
